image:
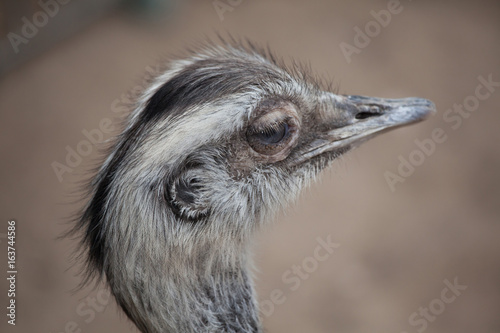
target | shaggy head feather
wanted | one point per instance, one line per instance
(215, 146)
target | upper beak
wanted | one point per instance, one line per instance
(351, 120)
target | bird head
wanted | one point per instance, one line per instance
(213, 147)
(221, 141)
(232, 134)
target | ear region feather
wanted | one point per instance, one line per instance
(187, 196)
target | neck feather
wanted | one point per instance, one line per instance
(192, 294)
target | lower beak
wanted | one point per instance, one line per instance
(352, 120)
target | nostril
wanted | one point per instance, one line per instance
(364, 115)
(369, 110)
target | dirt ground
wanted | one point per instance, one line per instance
(402, 247)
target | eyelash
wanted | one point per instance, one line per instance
(272, 138)
(272, 127)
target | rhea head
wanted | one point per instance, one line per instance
(213, 148)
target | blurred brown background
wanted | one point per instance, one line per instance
(396, 247)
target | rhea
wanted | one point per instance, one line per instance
(213, 148)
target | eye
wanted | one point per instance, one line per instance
(273, 130)
(270, 138)
(272, 135)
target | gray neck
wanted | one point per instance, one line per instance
(224, 304)
(190, 298)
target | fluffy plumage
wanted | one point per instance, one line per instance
(174, 206)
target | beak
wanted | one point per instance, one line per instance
(348, 121)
